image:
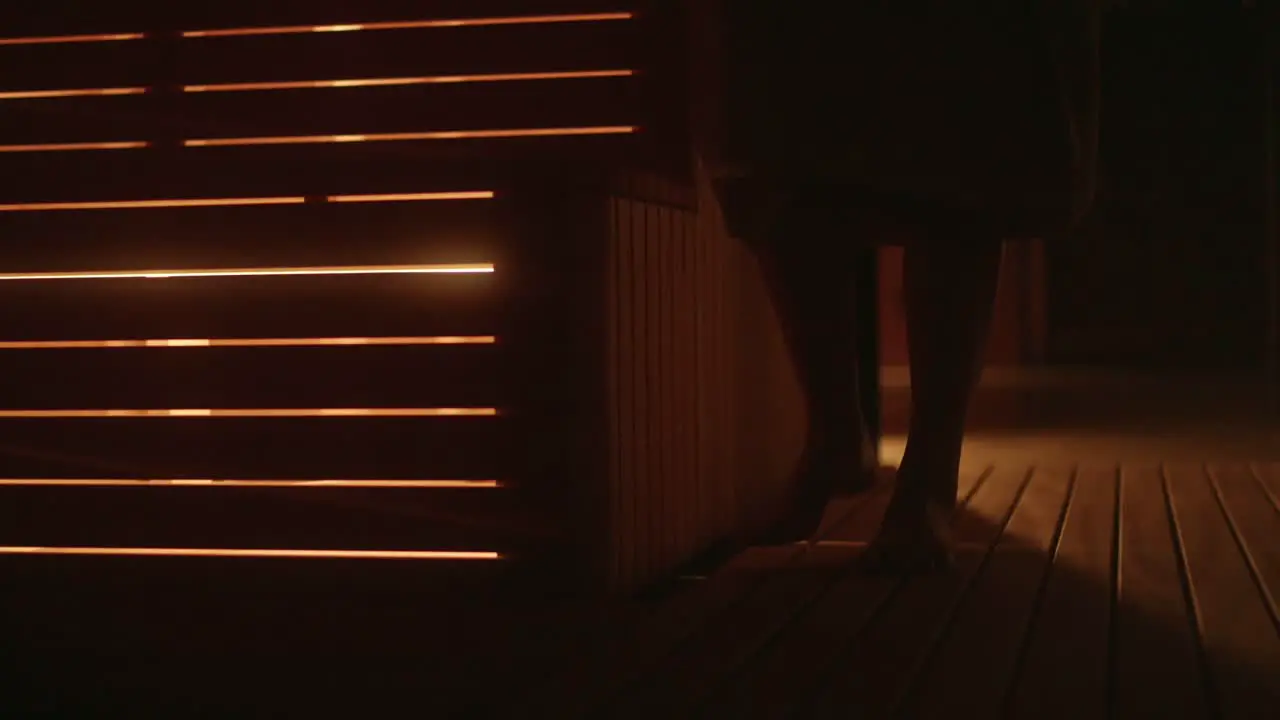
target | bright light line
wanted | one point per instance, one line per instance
(71, 92)
(410, 136)
(448, 269)
(407, 80)
(249, 342)
(253, 412)
(212, 483)
(257, 553)
(64, 39)
(70, 147)
(253, 201)
(413, 24)
(141, 204)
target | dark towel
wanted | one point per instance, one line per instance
(985, 106)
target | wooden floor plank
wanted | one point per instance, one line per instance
(870, 680)
(1064, 668)
(1156, 668)
(727, 638)
(1257, 526)
(1239, 635)
(776, 679)
(730, 638)
(1269, 477)
(972, 669)
(571, 686)
(619, 655)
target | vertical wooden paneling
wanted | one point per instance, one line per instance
(705, 412)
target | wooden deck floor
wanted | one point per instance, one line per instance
(1144, 590)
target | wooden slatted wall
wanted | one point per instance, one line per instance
(267, 272)
(705, 413)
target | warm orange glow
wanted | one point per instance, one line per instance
(235, 202)
(63, 147)
(247, 342)
(436, 135)
(413, 24)
(254, 413)
(188, 482)
(243, 272)
(395, 81)
(258, 553)
(82, 92)
(61, 39)
(413, 197)
(140, 204)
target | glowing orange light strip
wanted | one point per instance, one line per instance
(61, 39)
(258, 553)
(243, 272)
(63, 147)
(254, 413)
(413, 24)
(435, 135)
(185, 482)
(236, 202)
(248, 342)
(412, 197)
(139, 204)
(82, 92)
(397, 81)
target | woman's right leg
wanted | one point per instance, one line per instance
(950, 284)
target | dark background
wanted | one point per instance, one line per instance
(1171, 271)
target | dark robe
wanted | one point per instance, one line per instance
(982, 107)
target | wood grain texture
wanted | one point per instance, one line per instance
(1157, 667)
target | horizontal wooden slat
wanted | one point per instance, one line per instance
(320, 56)
(62, 17)
(238, 517)
(350, 306)
(451, 51)
(288, 171)
(255, 236)
(76, 66)
(253, 377)
(409, 108)
(266, 448)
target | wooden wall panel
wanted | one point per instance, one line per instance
(704, 412)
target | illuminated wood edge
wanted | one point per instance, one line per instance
(69, 39)
(217, 483)
(431, 135)
(412, 197)
(70, 92)
(413, 24)
(246, 201)
(434, 269)
(256, 553)
(409, 80)
(76, 146)
(335, 27)
(254, 413)
(323, 84)
(412, 136)
(249, 342)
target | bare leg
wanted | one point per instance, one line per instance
(950, 286)
(812, 292)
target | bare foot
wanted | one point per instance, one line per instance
(914, 537)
